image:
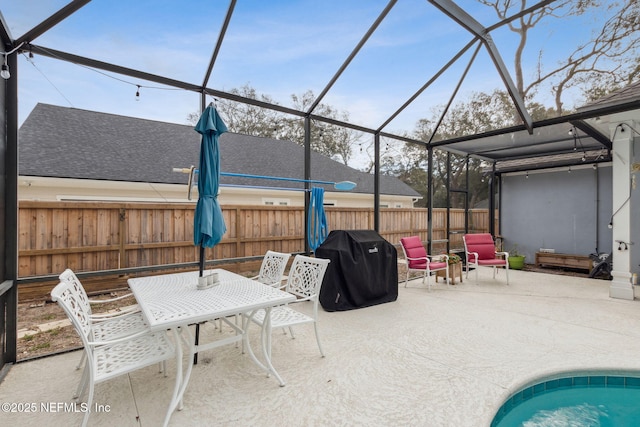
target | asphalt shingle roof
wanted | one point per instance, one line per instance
(630, 92)
(67, 142)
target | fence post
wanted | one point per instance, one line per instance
(372, 219)
(238, 231)
(122, 254)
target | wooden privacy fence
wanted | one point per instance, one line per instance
(94, 236)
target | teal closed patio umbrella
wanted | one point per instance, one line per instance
(208, 225)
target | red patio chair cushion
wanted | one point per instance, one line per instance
(493, 261)
(437, 265)
(414, 249)
(482, 243)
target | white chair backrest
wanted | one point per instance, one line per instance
(305, 276)
(69, 276)
(272, 268)
(71, 296)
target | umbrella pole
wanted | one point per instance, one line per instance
(201, 260)
(197, 338)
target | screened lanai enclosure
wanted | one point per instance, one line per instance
(394, 76)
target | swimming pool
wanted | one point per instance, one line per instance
(586, 400)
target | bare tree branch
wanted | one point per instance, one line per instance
(606, 54)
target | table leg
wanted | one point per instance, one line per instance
(265, 338)
(247, 344)
(197, 340)
(181, 381)
(188, 340)
(266, 345)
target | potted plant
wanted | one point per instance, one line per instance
(454, 258)
(455, 267)
(516, 260)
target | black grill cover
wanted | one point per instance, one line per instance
(363, 270)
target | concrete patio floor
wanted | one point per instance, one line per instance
(448, 357)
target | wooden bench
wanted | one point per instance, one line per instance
(582, 262)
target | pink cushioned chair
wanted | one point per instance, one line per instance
(480, 250)
(418, 260)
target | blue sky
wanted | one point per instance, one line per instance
(278, 47)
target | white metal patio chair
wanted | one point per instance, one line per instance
(271, 273)
(106, 326)
(272, 269)
(304, 281)
(107, 359)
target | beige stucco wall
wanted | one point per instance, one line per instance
(52, 189)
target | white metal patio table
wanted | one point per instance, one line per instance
(173, 301)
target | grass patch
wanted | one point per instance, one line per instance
(55, 331)
(42, 346)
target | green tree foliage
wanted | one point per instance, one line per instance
(334, 141)
(481, 113)
(245, 118)
(331, 140)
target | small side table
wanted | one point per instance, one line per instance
(454, 270)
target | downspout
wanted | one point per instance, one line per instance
(466, 195)
(492, 200)
(448, 228)
(498, 183)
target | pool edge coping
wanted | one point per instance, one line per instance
(531, 381)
